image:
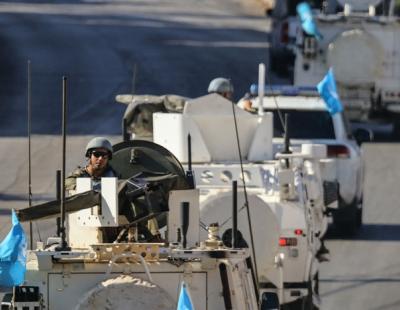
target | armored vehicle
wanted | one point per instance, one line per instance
(309, 114)
(282, 210)
(284, 29)
(362, 47)
(112, 260)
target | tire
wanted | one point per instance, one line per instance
(126, 292)
(307, 302)
(347, 219)
(313, 293)
(396, 130)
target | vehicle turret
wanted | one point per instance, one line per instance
(113, 260)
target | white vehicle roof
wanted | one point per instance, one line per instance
(360, 4)
(314, 103)
(300, 98)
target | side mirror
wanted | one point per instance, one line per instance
(362, 135)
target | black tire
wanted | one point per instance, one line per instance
(347, 219)
(396, 130)
(313, 288)
(306, 303)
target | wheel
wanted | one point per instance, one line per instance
(309, 302)
(312, 300)
(347, 219)
(396, 130)
(126, 292)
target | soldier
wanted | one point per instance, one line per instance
(221, 86)
(98, 153)
(246, 104)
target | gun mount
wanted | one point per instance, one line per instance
(97, 273)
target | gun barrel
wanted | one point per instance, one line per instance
(51, 209)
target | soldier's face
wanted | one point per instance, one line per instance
(99, 158)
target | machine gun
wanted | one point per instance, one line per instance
(125, 275)
(148, 172)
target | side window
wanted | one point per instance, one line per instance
(292, 5)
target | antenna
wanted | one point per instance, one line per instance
(134, 74)
(234, 215)
(125, 134)
(189, 172)
(64, 245)
(286, 146)
(184, 221)
(29, 156)
(261, 79)
(29, 153)
(189, 152)
(245, 195)
(58, 197)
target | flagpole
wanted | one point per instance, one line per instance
(29, 154)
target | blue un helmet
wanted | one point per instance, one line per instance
(221, 86)
(97, 143)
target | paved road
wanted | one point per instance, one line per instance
(178, 46)
(364, 271)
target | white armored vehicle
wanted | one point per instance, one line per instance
(282, 216)
(362, 46)
(114, 262)
(314, 124)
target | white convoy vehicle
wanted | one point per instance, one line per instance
(311, 122)
(127, 271)
(283, 197)
(285, 27)
(362, 48)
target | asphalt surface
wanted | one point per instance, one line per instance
(177, 46)
(363, 272)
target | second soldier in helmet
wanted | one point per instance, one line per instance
(221, 86)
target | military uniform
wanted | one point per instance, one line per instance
(81, 172)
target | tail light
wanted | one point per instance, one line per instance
(285, 33)
(298, 232)
(287, 241)
(338, 151)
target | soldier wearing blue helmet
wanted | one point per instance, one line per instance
(221, 86)
(98, 153)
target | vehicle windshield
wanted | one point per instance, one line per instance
(292, 5)
(305, 124)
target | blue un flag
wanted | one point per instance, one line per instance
(13, 255)
(328, 92)
(184, 301)
(307, 21)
